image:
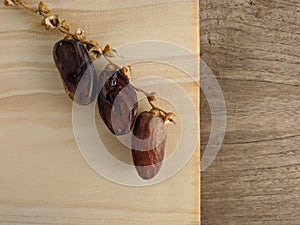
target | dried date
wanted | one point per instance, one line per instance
(117, 101)
(148, 143)
(77, 71)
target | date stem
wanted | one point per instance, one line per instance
(52, 21)
(151, 99)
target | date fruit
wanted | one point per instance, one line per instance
(117, 102)
(77, 71)
(148, 143)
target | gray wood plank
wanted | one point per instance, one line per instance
(253, 49)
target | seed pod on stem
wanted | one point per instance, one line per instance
(149, 142)
(117, 101)
(77, 71)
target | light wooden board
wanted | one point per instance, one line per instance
(43, 177)
(253, 49)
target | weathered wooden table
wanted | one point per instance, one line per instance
(253, 49)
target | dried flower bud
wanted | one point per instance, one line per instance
(169, 118)
(51, 22)
(43, 8)
(107, 48)
(80, 34)
(66, 25)
(95, 52)
(152, 97)
(126, 70)
(11, 2)
(110, 52)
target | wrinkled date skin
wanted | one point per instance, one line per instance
(117, 102)
(148, 144)
(76, 70)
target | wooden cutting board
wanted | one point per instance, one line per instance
(43, 177)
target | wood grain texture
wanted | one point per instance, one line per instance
(43, 177)
(253, 49)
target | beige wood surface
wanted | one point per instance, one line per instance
(43, 177)
(253, 49)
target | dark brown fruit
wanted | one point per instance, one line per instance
(77, 71)
(117, 102)
(148, 143)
